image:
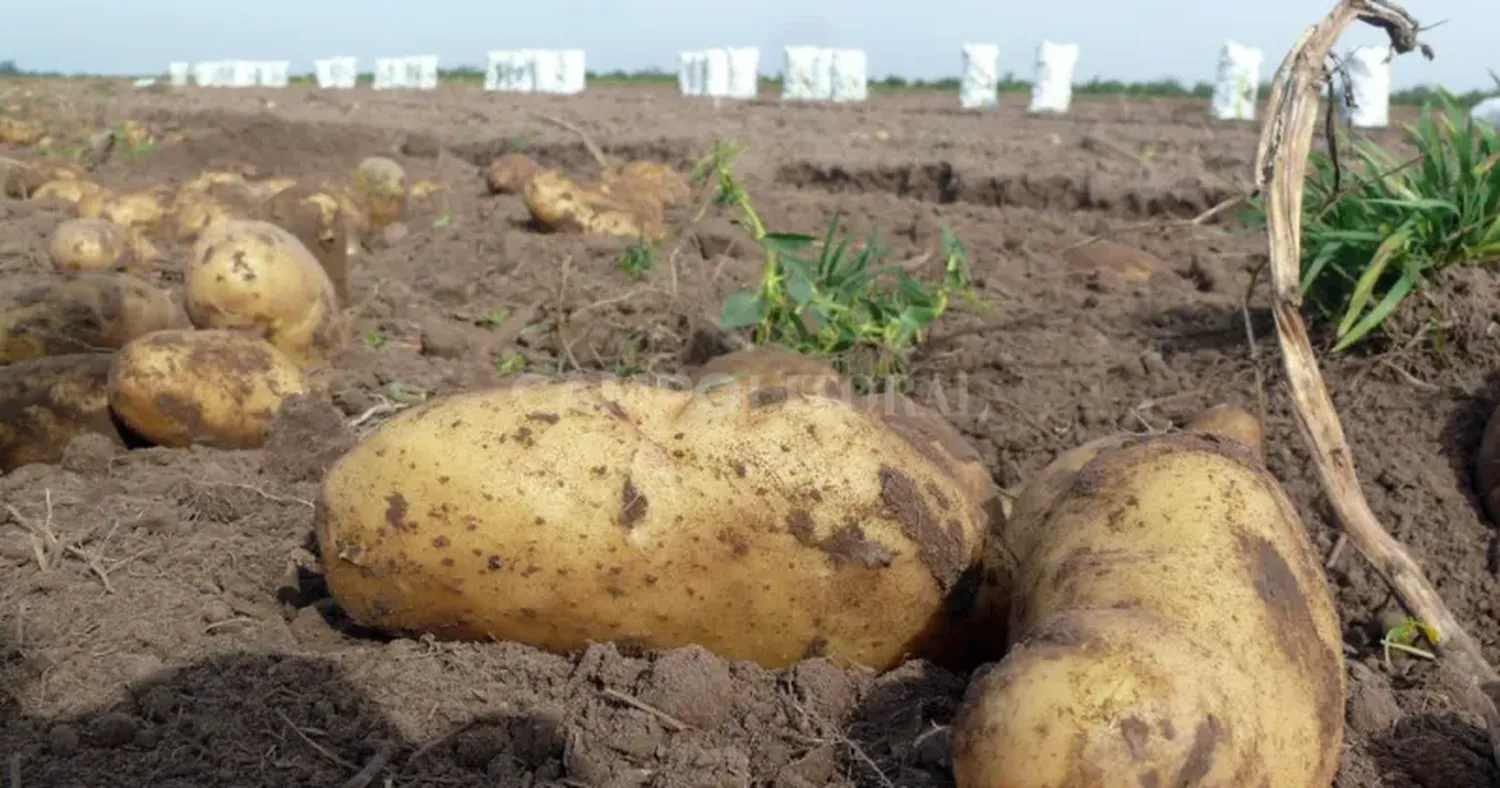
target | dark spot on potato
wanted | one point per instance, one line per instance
(940, 550)
(760, 398)
(598, 470)
(529, 612)
(444, 479)
(800, 524)
(523, 436)
(395, 513)
(849, 545)
(817, 647)
(440, 542)
(448, 560)
(1137, 735)
(1150, 780)
(737, 544)
(1296, 632)
(547, 418)
(739, 469)
(493, 563)
(616, 411)
(1200, 758)
(1168, 731)
(633, 504)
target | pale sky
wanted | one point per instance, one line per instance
(1131, 41)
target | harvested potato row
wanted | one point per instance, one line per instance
(182, 387)
(255, 276)
(1169, 625)
(63, 313)
(761, 524)
(47, 402)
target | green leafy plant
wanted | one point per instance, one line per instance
(833, 299)
(637, 259)
(1373, 236)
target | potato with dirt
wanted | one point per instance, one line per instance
(251, 275)
(142, 210)
(62, 313)
(89, 245)
(646, 180)
(1169, 624)
(759, 524)
(557, 204)
(21, 180)
(185, 387)
(509, 173)
(320, 223)
(88, 197)
(380, 186)
(47, 402)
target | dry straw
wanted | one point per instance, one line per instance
(1280, 165)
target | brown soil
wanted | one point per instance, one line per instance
(182, 638)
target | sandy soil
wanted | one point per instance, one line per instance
(187, 642)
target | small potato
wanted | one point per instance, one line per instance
(1129, 264)
(89, 245)
(381, 185)
(254, 276)
(47, 402)
(63, 313)
(81, 193)
(182, 387)
(136, 210)
(320, 224)
(19, 133)
(758, 524)
(1234, 423)
(509, 173)
(1170, 625)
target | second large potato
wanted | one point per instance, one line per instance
(761, 524)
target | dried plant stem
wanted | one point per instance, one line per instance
(1279, 171)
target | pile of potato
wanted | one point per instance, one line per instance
(89, 349)
(627, 201)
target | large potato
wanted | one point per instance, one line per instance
(62, 313)
(88, 245)
(556, 203)
(255, 276)
(762, 525)
(47, 402)
(381, 184)
(183, 387)
(1170, 625)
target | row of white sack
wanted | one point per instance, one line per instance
(419, 72)
(559, 71)
(1235, 85)
(811, 73)
(232, 73)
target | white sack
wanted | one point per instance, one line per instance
(848, 75)
(206, 74)
(1487, 111)
(178, 74)
(1370, 83)
(1237, 82)
(546, 65)
(574, 72)
(716, 72)
(1053, 89)
(690, 72)
(273, 73)
(808, 75)
(492, 61)
(980, 84)
(422, 72)
(243, 73)
(744, 73)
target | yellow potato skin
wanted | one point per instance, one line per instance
(183, 387)
(1170, 626)
(47, 402)
(559, 513)
(381, 184)
(254, 276)
(88, 245)
(63, 313)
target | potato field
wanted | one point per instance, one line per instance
(630, 440)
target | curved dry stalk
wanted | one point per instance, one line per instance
(1280, 165)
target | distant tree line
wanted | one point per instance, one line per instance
(1165, 88)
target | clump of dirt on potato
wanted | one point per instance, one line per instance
(63, 313)
(509, 173)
